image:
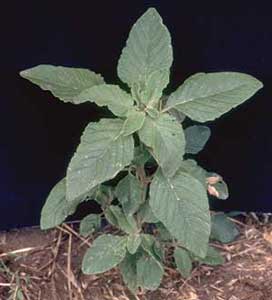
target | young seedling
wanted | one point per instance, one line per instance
(148, 147)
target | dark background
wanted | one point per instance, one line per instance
(40, 133)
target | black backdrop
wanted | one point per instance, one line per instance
(39, 133)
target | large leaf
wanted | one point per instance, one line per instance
(149, 272)
(130, 194)
(165, 136)
(64, 83)
(134, 122)
(56, 208)
(112, 96)
(183, 262)
(106, 252)
(204, 97)
(147, 57)
(223, 229)
(102, 153)
(191, 167)
(89, 224)
(196, 137)
(181, 204)
(129, 271)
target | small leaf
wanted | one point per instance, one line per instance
(112, 96)
(163, 234)
(134, 122)
(149, 272)
(89, 224)
(180, 117)
(141, 156)
(205, 97)
(181, 204)
(133, 243)
(223, 229)
(130, 194)
(146, 214)
(191, 167)
(104, 195)
(151, 246)
(217, 186)
(196, 137)
(64, 83)
(152, 112)
(147, 57)
(101, 155)
(165, 137)
(106, 252)
(213, 258)
(129, 272)
(183, 261)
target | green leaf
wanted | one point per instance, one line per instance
(207, 96)
(149, 272)
(148, 56)
(56, 208)
(217, 187)
(104, 195)
(146, 214)
(106, 252)
(165, 137)
(64, 83)
(130, 194)
(129, 272)
(151, 246)
(191, 167)
(116, 217)
(133, 242)
(213, 258)
(223, 229)
(183, 262)
(89, 224)
(112, 96)
(141, 156)
(102, 154)
(163, 234)
(196, 137)
(180, 117)
(181, 204)
(134, 122)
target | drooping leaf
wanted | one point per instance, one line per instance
(181, 204)
(112, 96)
(102, 153)
(130, 193)
(89, 224)
(183, 262)
(145, 61)
(165, 137)
(223, 229)
(64, 83)
(104, 195)
(106, 252)
(116, 217)
(207, 96)
(133, 242)
(129, 271)
(149, 272)
(56, 208)
(217, 187)
(213, 257)
(196, 137)
(134, 122)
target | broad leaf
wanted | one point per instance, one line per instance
(163, 234)
(134, 122)
(151, 246)
(204, 97)
(129, 272)
(89, 224)
(183, 262)
(130, 193)
(112, 96)
(196, 137)
(133, 242)
(106, 252)
(102, 153)
(191, 167)
(56, 208)
(116, 217)
(149, 272)
(181, 204)
(64, 83)
(141, 155)
(165, 137)
(147, 57)
(104, 195)
(213, 258)
(223, 229)
(146, 214)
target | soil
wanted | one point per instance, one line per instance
(36, 265)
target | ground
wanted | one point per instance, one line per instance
(37, 265)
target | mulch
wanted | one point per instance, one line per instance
(36, 265)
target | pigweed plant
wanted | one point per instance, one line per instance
(151, 155)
